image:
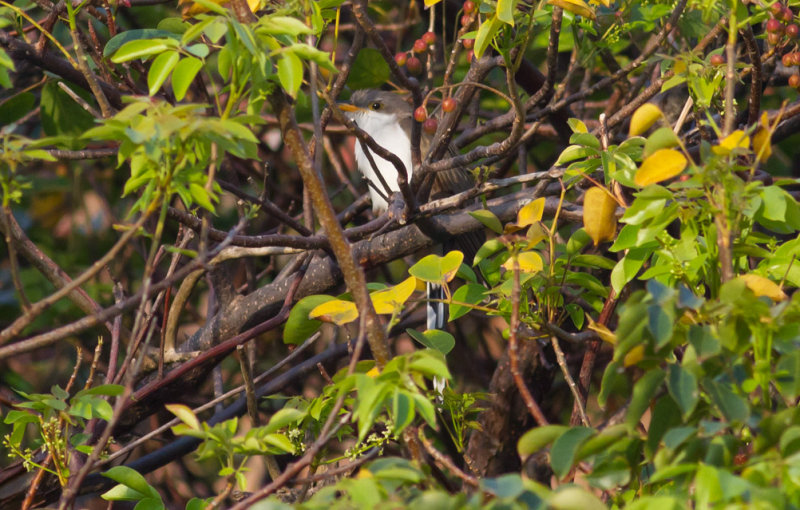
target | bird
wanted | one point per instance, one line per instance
(387, 117)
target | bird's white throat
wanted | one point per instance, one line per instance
(387, 132)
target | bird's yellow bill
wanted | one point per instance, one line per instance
(346, 107)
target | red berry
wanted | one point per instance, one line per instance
(773, 38)
(468, 43)
(470, 56)
(776, 9)
(420, 46)
(774, 26)
(420, 114)
(717, 60)
(792, 30)
(414, 65)
(449, 104)
(401, 58)
(429, 38)
(794, 81)
(787, 59)
(796, 58)
(787, 15)
(466, 20)
(430, 125)
(469, 7)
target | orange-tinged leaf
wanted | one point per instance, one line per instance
(763, 287)
(663, 164)
(634, 356)
(644, 117)
(338, 311)
(577, 7)
(391, 299)
(599, 219)
(529, 262)
(736, 140)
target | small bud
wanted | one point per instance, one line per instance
(420, 114)
(429, 38)
(430, 125)
(449, 104)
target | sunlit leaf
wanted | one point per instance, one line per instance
(763, 287)
(599, 219)
(391, 299)
(577, 7)
(644, 117)
(488, 218)
(337, 311)
(505, 11)
(436, 269)
(528, 215)
(184, 75)
(435, 339)
(185, 414)
(528, 262)
(661, 165)
(736, 140)
(762, 144)
(160, 69)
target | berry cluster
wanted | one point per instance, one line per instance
(409, 59)
(781, 24)
(429, 124)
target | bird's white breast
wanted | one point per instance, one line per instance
(387, 133)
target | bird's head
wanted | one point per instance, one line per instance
(374, 110)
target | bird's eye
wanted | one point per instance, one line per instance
(375, 106)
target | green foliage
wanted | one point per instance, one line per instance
(56, 419)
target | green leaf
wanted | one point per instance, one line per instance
(660, 323)
(183, 76)
(643, 392)
(436, 269)
(662, 138)
(507, 486)
(682, 385)
(470, 293)
(732, 406)
(127, 36)
(283, 418)
(485, 35)
(61, 115)
(200, 197)
(787, 374)
(430, 363)
(290, 72)
(298, 326)
(14, 108)
(142, 48)
(402, 410)
(160, 69)
(282, 25)
(571, 497)
(435, 339)
(489, 220)
(369, 70)
(535, 439)
(562, 453)
(505, 11)
(131, 478)
(307, 52)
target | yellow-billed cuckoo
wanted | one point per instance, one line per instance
(387, 117)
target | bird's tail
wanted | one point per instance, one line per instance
(437, 309)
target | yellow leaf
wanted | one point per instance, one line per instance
(663, 164)
(644, 117)
(603, 332)
(577, 7)
(607, 3)
(535, 234)
(428, 3)
(736, 140)
(391, 299)
(679, 67)
(528, 215)
(363, 473)
(763, 287)
(762, 144)
(338, 311)
(374, 372)
(529, 262)
(599, 220)
(634, 356)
